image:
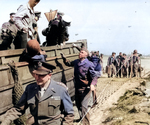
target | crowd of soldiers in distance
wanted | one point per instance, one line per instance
(123, 66)
(118, 66)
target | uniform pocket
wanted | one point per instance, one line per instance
(54, 106)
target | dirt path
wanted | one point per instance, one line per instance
(99, 112)
(108, 92)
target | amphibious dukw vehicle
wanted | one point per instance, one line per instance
(8, 79)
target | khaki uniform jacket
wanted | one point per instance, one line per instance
(47, 110)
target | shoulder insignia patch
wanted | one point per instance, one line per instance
(62, 84)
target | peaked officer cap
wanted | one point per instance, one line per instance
(43, 68)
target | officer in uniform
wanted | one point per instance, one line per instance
(47, 100)
(8, 33)
(85, 79)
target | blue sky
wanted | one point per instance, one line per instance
(108, 25)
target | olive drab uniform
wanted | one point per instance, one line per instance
(8, 34)
(48, 109)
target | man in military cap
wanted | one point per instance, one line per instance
(8, 33)
(47, 100)
(85, 80)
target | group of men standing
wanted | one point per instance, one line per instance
(123, 66)
(22, 27)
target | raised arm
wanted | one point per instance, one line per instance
(67, 62)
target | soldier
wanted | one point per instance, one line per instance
(47, 100)
(133, 64)
(125, 65)
(119, 60)
(8, 33)
(111, 65)
(24, 19)
(57, 32)
(85, 79)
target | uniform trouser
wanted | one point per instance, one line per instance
(84, 101)
(118, 71)
(111, 70)
(124, 71)
(139, 70)
(20, 40)
(134, 70)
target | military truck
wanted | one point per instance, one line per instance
(62, 73)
